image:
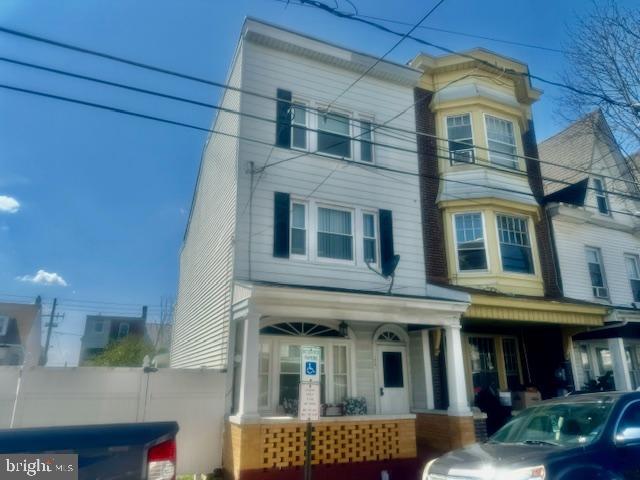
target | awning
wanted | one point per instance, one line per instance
(527, 309)
(629, 330)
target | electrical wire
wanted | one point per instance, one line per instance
(257, 94)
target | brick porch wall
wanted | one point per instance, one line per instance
(437, 433)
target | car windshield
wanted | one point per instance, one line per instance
(560, 424)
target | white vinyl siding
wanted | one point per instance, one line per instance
(200, 335)
(346, 185)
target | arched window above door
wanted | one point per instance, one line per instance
(390, 334)
(300, 329)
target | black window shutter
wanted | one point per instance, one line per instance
(283, 119)
(281, 225)
(386, 241)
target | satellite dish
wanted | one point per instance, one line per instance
(389, 268)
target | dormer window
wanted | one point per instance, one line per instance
(601, 196)
(501, 141)
(460, 135)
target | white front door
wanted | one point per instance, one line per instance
(393, 389)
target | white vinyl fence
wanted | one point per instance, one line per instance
(89, 395)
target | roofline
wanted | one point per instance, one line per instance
(248, 19)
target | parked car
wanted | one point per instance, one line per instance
(119, 451)
(592, 436)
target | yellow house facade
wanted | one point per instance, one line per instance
(485, 231)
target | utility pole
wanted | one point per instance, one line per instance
(50, 325)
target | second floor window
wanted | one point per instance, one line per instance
(601, 196)
(596, 272)
(501, 141)
(334, 134)
(298, 229)
(366, 141)
(470, 242)
(515, 245)
(335, 234)
(460, 138)
(98, 326)
(370, 244)
(633, 272)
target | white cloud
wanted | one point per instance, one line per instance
(9, 204)
(42, 277)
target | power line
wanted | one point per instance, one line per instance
(126, 112)
(336, 12)
(444, 30)
(373, 65)
(225, 86)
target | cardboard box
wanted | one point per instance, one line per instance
(525, 399)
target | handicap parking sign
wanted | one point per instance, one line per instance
(310, 361)
(310, 368)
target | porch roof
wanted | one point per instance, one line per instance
(623, 330)
(298, 301)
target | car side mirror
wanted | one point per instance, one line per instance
(629, 435)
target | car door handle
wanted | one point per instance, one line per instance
(381, 392)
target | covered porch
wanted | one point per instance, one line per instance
(609, 357)
(376, 373)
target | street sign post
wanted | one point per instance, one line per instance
(309, 398)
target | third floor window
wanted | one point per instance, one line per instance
(460, 135)
(601, 196)
(501, 141)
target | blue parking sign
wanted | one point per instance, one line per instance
(311, 368)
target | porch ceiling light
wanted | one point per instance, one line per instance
(343, 328)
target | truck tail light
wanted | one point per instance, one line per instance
(161, 461)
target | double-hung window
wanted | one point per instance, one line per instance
(601, 196)
(470, 242)
(596, 272)
(334, 134)
(98, 326)
(299, 131)
(633, 272)
(460, 137)
(335, 234)
(369, 238)
(515, 244)
(501, 141)
(298, 229)
(366, 141)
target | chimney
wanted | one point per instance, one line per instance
(144, 312)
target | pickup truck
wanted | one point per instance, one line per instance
(115, 451)
(593, 436)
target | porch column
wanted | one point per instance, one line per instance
(621, 374)
(428, 374)
(248, 394)
(458, 403)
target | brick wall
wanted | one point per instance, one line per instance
(437, 433)
(552, 286)
(435, 255)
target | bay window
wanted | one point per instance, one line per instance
(501, 141)
(515, 245)
(469, 234)
(334, 134)
(335, 234)
(460, 136)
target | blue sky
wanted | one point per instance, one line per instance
(103, 198)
